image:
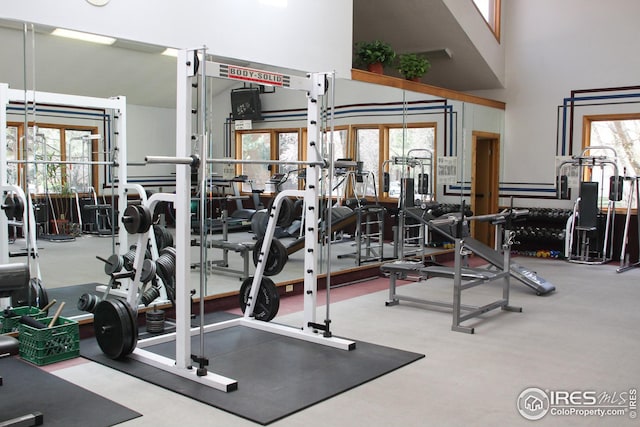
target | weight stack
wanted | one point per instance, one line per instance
(155, 321)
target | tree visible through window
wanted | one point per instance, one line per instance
(624, 137)
(413, 142)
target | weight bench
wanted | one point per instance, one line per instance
(102, 213)
(463, 277)
(243, 249)
(15, 277)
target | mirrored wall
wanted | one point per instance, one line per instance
(368, 122)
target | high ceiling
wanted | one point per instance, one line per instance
(137, 71)
(425, 26)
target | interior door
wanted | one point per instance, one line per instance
(485, 183)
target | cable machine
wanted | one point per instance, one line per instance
(418, 167)
(590, 231)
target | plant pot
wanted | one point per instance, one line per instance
(376, 67)
(414, 79)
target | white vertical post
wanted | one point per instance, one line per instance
(120, 141)
(4, 224)
(312, 189)
(185, 73)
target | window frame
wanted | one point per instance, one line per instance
(350, 148)
(493, 22)
(62, 128)
(587, 121)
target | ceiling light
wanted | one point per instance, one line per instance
(275, 3)
(170, 52)
(93, 38)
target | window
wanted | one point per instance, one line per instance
(622, 133)
(288, 150)
(50, 144)
(12, 154)
(255, 146)
(368, 152)
(369, 144)
(490, 11)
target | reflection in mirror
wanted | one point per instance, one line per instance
(372, 124)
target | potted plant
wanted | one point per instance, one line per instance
(413, 66)
(375, 55)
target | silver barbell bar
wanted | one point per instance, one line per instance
(63, 162)
(265, 162)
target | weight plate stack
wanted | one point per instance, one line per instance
(115, 327)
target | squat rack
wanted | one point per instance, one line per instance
(192, 64)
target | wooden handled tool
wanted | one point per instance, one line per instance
(51, 304)
(55, 316)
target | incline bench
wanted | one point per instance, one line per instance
(463, 277)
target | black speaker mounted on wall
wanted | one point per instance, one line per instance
(245, 104)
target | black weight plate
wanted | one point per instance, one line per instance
(87, 302)
(114, 264)
(259, 222)
(9, 207)
(35, 295)
(276, 259)
(131, 219)
(131, 344)
(145, 216)
(113, 328)
(285, 216)
(148, 271)
(18, 207)
(157, 233)
(268, 302)
(43, 297)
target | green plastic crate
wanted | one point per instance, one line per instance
(44, 346)
(10, 324)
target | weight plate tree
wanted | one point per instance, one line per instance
(115, 327)
(268, 302)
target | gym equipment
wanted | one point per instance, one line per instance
(9, 347)
(222, 265)
(276, 257)
(287, 211)
(136, 219)
(191, 74)
(115, 327)
(589, 232)
(416, 167)
(154, 320)
(268, 303)
(369, 219)
(634, 191)
(15, 278)
(342, 217)
(95, 216)
(471, 276)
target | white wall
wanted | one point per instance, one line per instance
(551, 48)
(151, 131)
(487, 44)
(307, 35)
